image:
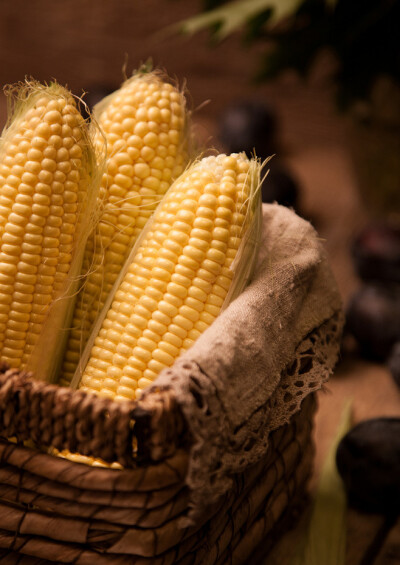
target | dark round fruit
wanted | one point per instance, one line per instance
(376, 253)
(368, 460)
(279, 186)
(248, 126)
(373, 318)
(393, 363)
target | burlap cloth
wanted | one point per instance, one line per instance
(248, 373)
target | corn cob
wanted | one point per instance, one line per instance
(145, 126)
(47, 165)
(179, 278)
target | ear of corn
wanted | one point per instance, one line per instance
(145, 125)
(47, 179)
(184, 269)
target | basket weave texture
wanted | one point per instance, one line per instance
(58, 511)
(215, 454)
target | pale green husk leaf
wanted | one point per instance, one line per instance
(325, 540)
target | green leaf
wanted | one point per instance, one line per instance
(234, 15)
(325, 541)
(255, 27)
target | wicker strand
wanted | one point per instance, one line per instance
(41, 527)
(81, 422)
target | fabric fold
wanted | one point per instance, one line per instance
(249, 372)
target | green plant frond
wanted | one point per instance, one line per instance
(234, 15)
(325, 541)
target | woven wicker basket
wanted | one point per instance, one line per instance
(254, 415)
(56, 511)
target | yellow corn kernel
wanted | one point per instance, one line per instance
(37, 197)
(145, 125)
(187, 289)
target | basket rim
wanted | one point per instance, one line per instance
(131, 433)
